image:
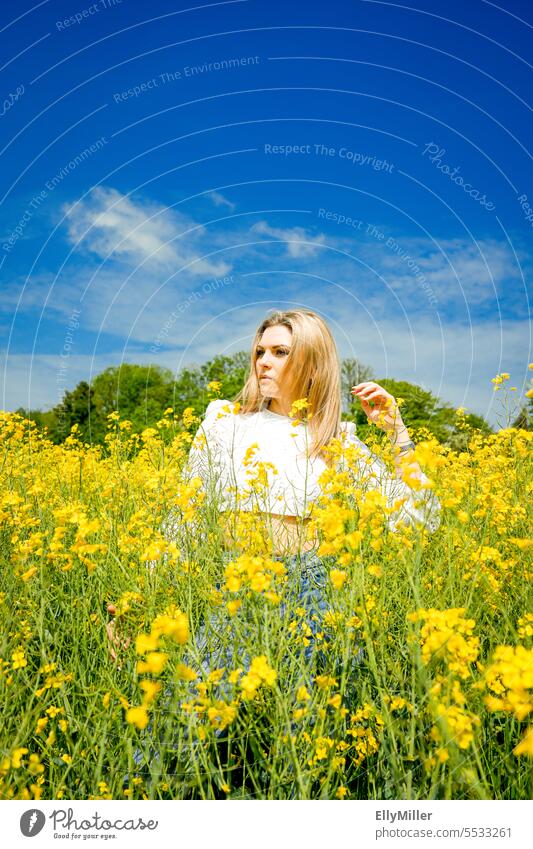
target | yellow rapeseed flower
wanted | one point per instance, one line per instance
(155, 663)
(146, 643)
(525, 746)
(150, 690)
(19, 659)
(16, 757)
(137, 716)
(185, 673)
(338, 578)
(302, 694)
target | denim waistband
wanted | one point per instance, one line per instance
(302, 558)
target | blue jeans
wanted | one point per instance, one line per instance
(219, 641)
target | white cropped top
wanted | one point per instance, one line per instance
(227, 447)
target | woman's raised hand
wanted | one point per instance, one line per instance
(385, 413)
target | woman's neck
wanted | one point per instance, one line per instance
(281, 407)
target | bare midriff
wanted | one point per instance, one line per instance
(286, 534)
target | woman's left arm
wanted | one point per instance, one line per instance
(385, 413)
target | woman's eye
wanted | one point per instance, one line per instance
(281, 351)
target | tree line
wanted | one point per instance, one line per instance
(142, 393)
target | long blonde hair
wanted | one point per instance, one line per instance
(312, 371)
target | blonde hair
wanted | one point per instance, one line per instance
(312, 371)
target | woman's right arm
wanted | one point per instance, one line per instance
(204, 462)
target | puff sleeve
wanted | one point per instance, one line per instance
(419, 507)
(206, 455)
(205, 461)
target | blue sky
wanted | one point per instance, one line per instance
(172, 171)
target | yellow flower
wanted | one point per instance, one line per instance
(525, 747)
(260, 667)
(323, 682)
(172, 624)
(353, 539)
(137, 716)
(249, 684)
(341, 792)
(19, 659)
(338, 578)
(260, 673)
(397, 703)
(185, 673)
(154, 663)
(215, 675)
(302, 694)
(510, 677)
(146, 642)
(301, 405)
(458, 722)
(35, 766)
(150, 690)
(16, 757)
(525, 625)
(220, 714)
(233, 606)
(446, 635)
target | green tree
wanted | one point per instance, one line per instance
(44, 419)
(190, 386)
(137, 393)
(231, 371)
(77, 407)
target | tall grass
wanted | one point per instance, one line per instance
(399, 690)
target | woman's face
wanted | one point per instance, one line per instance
(270, 359)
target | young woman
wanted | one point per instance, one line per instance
(294, 357)
(251, 458)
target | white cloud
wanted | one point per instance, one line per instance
(297, 238)
(450, 272)
(110, 224)
(219, 200)
(388, 323)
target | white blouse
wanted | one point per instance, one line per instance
(228, 446)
